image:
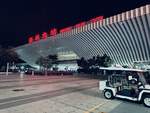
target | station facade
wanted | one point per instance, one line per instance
(124, 37)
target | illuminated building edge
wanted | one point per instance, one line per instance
(124, 37)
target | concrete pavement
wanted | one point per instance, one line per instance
(56, 94)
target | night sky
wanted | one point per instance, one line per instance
(20, 19)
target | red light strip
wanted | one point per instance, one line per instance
(65, 29)
(99, 18)
(80, 24)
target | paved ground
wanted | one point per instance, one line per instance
(58, 94)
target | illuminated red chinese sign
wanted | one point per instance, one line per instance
(30, 40)
(37, 37)
(53, 32)
(44, 35)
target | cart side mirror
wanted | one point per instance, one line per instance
(129, 77)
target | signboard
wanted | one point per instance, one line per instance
(54, 31)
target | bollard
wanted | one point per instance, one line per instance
(32, 73)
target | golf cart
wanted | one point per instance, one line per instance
(130, 84)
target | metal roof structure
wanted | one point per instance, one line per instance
(124, 37)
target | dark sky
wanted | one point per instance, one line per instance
(20, 19)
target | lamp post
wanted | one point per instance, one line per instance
(7, 68)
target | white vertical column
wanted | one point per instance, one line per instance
(118, 18)
(111, 20)
(123, 16)
(132, 13)
(7, 68)
(147, 9)
(137, 12)
(107, 21)
(127, 15)
(115, 19)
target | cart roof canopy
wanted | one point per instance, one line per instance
(121, 69)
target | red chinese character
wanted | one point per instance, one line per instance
(30, 40)
(44, 35)
(37, 37)
(53, 32)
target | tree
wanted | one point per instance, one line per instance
(39, 62)
(53, 57)
(8, 55)
(82, 63)
(54, 62)
(44, 62)
(98, 61)
(47, 62)
(91, 64)
(106, 60)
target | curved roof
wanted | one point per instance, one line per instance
(124, 37)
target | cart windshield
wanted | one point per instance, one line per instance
(144, 77)
(147, 77)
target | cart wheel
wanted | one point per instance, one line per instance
(108, 94)
(146, 100)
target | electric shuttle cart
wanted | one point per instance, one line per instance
(130, 84)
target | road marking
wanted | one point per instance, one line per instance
(95, 107)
